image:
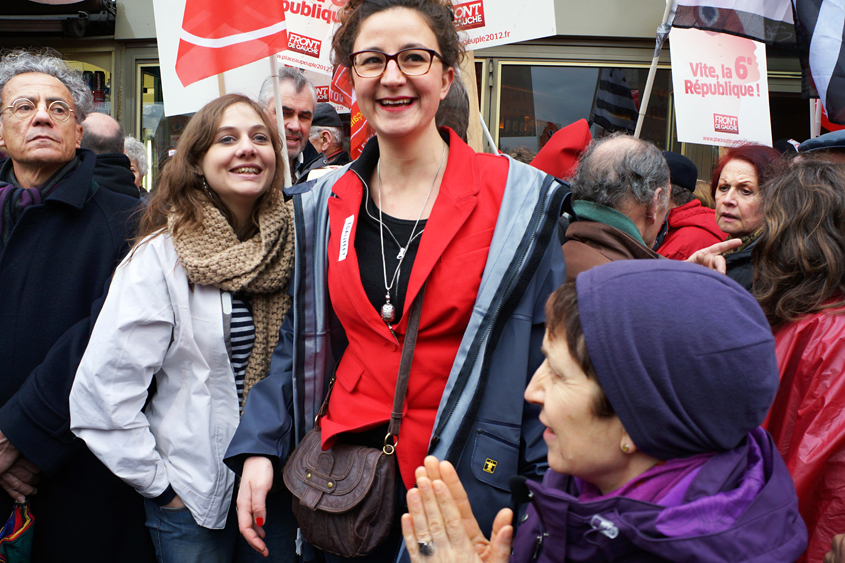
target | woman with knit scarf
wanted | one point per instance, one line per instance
(191, 319)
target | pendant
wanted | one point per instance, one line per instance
(401, 254)
(387, 311)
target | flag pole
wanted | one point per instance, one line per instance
(662, 34)
(488, 136)
(466, 74)
(815, 118)
(221, 85)
(280, 117)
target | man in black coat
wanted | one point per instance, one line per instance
(104, 135)
(61, 236)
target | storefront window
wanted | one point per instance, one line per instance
(158, 133)
(538, 100)
(99, 81)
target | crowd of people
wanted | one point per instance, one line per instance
(593, 354)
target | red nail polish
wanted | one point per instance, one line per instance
(259, 521)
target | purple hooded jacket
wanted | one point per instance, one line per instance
(741, 507)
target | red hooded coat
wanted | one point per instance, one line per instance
(691, 228)
(807, 422)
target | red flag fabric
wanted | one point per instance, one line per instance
(826, 123)
(342, 93)
(361, 132)
(218, 36)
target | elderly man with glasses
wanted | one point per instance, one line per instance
(61, 236)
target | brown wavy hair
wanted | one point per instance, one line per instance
(562, 313)
(799, 260)
(180, 190)
(438, 13)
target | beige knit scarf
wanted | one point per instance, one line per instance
(261, 266)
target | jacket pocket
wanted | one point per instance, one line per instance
(349, 372)
(495, 456)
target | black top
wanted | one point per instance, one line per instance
(738, 266)
(368, 248)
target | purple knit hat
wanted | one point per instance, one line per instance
(684, 354)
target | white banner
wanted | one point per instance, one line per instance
(489, 23)
(311, 24)
(721, 88)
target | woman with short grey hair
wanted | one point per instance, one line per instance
(137, 154)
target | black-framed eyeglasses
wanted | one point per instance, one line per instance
(412, 62)
(24, 109)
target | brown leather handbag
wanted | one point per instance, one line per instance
(344, 498)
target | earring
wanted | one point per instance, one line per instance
(626, 448)
(205, 184)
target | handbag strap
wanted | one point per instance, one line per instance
(404, 372)
(408, 346)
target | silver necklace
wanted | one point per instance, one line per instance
(386, 227)
(388, 311)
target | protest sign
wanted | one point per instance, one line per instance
(489, 23)
(311, 25)
(180, 98)
(188, 34)
(721, 88)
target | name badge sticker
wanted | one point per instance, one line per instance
(344, 237)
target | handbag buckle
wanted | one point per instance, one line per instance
(389, 448)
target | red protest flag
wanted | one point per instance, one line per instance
(340, 90)
(342, 93)
(361, 131)
(216, 38)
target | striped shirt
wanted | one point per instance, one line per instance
(242, 338)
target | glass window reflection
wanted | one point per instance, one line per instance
(538, 100)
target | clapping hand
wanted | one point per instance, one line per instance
(440, 526)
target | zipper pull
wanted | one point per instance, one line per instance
(538, 546)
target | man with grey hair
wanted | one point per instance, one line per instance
(620, 196)
(299, 100)
(61, 236)
(104, 135)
